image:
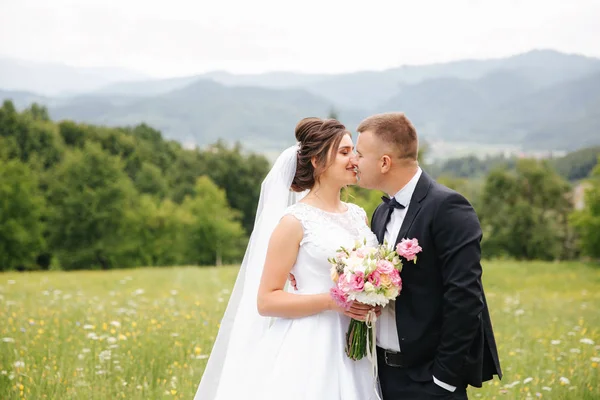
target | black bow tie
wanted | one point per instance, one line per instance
(392, 203)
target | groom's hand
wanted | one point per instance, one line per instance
(292, 280)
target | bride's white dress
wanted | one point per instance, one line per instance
(304, 358)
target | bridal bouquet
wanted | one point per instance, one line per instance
(369, 275)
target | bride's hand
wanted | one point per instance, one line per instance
(377, 310)
(357, 310)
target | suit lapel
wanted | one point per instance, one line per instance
(413, 210)
(414, 207)
(380, 227)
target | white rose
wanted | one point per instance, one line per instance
(369, 288)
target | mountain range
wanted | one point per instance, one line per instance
(52, 79)
(539, 100)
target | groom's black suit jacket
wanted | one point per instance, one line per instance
(442, 317)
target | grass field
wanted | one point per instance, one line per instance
(146, 333)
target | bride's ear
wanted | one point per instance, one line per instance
(386, 163)
(313, 161)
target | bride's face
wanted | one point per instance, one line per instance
(341, 171)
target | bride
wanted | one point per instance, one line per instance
(277, 344)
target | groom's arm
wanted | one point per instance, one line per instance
(457, 235)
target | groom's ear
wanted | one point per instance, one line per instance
(386, 163)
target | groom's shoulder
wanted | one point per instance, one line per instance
(441, 189)
(442, 193)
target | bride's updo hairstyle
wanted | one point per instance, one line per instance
(316, 137)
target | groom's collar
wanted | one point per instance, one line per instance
(422, 187)
(404, 195)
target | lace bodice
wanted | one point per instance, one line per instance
(324, 233)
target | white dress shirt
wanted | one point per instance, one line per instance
(387, 332)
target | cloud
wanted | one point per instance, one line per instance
(183, 36)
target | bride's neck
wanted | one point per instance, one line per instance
(326, 197)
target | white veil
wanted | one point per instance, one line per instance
(242, 326)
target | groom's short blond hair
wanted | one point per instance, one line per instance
(395, 129)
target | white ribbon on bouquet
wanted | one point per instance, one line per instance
(371, 322)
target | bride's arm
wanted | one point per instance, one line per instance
(273, 301)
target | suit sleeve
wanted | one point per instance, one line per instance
(457, 236)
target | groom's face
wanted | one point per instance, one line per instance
(368, 160)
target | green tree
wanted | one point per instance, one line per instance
(150, 147)
(91, 198)
(12, 128)
(91, 178)
(578, 164)
(30, 135)
(161, 231)
(587, 221)
(73, 134)
(41, 144)
(216, 235)
(240, 175)
(9, 119)
(38, 112)
(183, 172)
(21, 211)
(524, 213)
(115, 141)
(470, 166)
(150, 180)
(9, 148)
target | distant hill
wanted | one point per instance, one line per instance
(370, 89)
(22, 99)
(573, 166)
(564, 116)
(505, 107)
(205, 111)
(57, 79)
(542, 100)
(146, 87)
(446, 107)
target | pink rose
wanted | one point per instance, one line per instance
(357, 281)
(409, 248)
(385, 267)
(340, 255)
(340, 297)
(374, 277)
(395, 277)
(343, 284)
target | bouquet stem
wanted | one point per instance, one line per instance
(356, 339)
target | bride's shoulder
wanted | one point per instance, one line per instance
(356, 209)
(297, 210)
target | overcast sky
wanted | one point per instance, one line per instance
(181, 37)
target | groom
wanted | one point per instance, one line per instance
(437, 337)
